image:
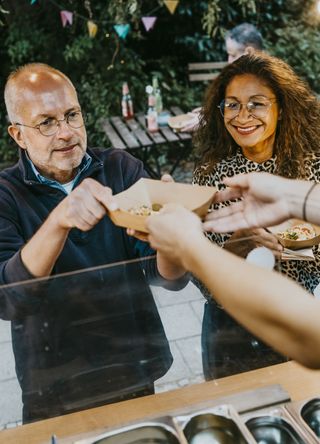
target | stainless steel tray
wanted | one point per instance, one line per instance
(276, 426)
(307, 414)
(220, 424)
(158, 431)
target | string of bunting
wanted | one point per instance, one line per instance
(121, 29)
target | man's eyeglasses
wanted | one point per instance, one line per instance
(257, 108)
(49, 127)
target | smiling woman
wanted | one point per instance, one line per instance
(257, 116)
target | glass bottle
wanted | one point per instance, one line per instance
(157, 94)
(126, 102)
(152, 115)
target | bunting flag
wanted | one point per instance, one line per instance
(92, 28)
(66, 17)
(122, 30)
(148, 22)
(171, 5)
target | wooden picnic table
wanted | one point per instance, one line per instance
(132, 135)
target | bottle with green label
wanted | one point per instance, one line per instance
(157, 94)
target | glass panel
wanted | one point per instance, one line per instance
(93, 337)
(102, 335)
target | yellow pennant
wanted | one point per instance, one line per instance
(171, 5)
(92, 29)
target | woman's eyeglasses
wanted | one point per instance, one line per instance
(230, 108)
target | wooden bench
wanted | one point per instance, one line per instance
(201, 72)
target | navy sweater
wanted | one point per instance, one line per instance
(86, 337)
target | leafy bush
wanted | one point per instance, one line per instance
(99, 66)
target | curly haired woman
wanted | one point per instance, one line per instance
(257, 116)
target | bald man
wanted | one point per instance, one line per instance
(97, 338)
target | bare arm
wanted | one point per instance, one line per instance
(272, 307)
(83, 209)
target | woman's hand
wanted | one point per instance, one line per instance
(262, 238)
(264, 202)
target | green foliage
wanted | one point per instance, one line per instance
(99, 66)
(300, 47)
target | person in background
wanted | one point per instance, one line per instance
(99, 341)
(257, 116)
(272, 307)
(242, 39)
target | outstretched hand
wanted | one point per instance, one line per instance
(263, 203)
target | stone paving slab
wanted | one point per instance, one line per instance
(180, 321)
(5, 331)
(166, 298)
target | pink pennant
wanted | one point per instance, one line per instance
(148, 22)
(66, 17)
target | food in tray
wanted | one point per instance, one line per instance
(298, 232)
(145, 210)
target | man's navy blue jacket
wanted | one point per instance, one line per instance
(85, 338)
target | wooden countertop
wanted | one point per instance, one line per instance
(299, 382)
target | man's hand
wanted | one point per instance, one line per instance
(264, 202)
(85, 206)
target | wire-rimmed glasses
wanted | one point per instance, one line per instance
(257, 107)
(49, 127)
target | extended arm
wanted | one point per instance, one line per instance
(83, 209)
(272, 307)
(266, 200)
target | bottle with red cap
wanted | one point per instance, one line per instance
(126, 102)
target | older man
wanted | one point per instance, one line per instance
(102, 340)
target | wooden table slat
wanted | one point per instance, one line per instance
(122, 129)
(112, 135)
(156, 137)
(169, 134)
(139, 133)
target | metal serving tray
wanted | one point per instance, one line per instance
(218, 425)
(307, 414)
(159, 431)
(276, 426)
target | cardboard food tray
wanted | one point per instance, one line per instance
(178, 122)
(148, 191)
(295, 244)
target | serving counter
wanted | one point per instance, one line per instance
(300, 383)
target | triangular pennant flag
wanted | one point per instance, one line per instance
(148, 22)
(92, 29)
(66, 17)
(171, 5)
(122, 30)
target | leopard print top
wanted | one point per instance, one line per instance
(306, 273)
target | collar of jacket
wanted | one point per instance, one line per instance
(30, 178)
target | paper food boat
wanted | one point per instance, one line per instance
(148, 191)
(295, 244)
(178, 122)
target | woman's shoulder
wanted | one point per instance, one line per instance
(312, 167)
